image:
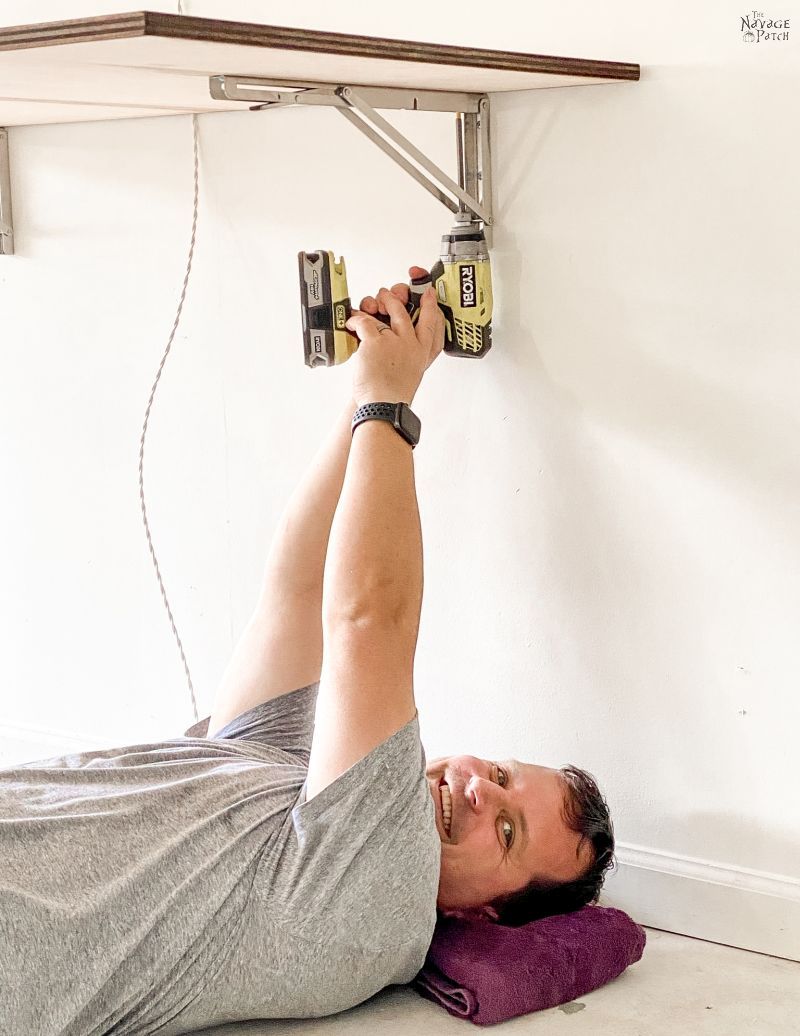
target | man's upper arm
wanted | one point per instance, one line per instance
(279, 651)
(366, 694)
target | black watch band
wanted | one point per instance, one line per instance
(399, 415)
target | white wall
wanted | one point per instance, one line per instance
(609, 500)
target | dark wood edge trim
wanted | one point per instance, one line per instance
(284, 38)
(150, 23)
(76, 30)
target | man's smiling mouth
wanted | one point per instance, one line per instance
(447, 806)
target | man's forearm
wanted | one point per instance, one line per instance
(374, 564)
(297, 556)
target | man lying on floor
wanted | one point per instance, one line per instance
(287, 859)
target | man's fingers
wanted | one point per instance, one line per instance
(373, 304)
(363, 324)
(401, 291)
(431, 319)
(396, 310)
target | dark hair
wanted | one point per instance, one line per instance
(586, 812)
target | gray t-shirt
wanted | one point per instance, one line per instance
(170, 886)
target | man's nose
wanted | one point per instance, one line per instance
(481, 793)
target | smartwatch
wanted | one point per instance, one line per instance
(400, 415)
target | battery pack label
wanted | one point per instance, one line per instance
(467, 278)
(314, 286)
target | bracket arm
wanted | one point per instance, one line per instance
(6, 222)
(401, 160)
(467, 200)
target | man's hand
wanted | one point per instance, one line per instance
(391, 360)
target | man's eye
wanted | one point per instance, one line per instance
(507, 826)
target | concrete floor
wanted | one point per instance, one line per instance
(680, 987)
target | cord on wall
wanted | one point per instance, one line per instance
(147, 416)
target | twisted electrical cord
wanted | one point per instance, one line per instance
(147, 415)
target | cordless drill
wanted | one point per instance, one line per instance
(462, 278)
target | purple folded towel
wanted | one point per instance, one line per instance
(489, 973)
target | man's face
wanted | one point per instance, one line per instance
(487, 852)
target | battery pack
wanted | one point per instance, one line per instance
(326, 308)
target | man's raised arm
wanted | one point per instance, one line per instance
(372, 588)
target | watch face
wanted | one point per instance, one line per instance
(410, 424)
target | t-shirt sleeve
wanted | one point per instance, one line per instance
(368, 850)
(360, 866)
(343, 901)
(285, 722)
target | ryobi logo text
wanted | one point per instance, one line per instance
(467, 286)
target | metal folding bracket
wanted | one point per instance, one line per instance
(6, 223)
(472, 193)
(474, 188)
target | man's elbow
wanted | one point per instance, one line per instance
(383, 604)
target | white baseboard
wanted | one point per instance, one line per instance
(720, 903)
(716, 902)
